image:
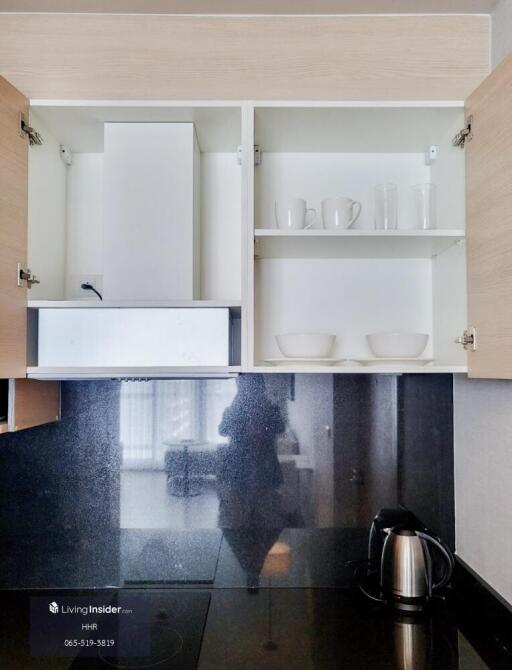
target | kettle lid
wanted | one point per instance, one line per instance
(403, 530)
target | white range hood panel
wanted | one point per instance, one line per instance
(131, 337)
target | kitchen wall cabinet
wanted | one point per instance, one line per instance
(117, 242)
(356, 281)
(151, 196)
(349, 282)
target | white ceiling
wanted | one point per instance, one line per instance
(252, 6)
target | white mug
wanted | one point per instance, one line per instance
(338, 213)
(291, 214)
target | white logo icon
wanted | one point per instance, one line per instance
(54, 608)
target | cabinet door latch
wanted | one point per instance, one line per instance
(26, 277)
(464, 135)
(468, 339)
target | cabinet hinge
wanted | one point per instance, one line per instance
(257, 155)
(464, 135)
(26, 276)
(468, 339)
(34, 137)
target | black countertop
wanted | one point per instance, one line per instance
(266, 629)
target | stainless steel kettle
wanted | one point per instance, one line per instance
(408, 567)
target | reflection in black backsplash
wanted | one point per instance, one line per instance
(222, 482)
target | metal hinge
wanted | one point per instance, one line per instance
(34, 137)
(464, 135)
(468, 339)
(257, 155)
(26, 276)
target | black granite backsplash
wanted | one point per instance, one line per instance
(193, 481)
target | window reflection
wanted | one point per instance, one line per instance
(268, 451)
(156, 414)
(222, 453)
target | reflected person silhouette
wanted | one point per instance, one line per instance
(249, 473)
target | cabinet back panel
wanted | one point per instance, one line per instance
(221, 227)
(348, 297)
(319, 58)
(315, 176)
(47, 215)
(347, 129)
(449, 304)
(84, 224)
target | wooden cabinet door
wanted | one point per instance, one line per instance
(32, 403)
(13, 231)
(489, 224)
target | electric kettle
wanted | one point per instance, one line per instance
(413, 566)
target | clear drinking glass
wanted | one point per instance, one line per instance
(425, 205)
(386, 206)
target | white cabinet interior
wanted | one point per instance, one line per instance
(71, 238)
(359, 281)
(348, 283)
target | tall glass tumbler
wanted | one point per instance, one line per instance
(425, 205)
(386, 206)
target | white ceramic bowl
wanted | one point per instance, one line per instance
(305, 345)
(397, 345)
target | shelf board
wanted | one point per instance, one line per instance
(319, 243)
(103, 304)
(178, 372)
(361, 369)
(4, 427)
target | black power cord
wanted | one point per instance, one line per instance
(90, 287)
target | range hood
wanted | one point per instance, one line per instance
(84, 340)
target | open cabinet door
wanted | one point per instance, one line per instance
(489, 224)
(32, 403)
(13, 231)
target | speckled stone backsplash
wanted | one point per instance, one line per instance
(191, 481)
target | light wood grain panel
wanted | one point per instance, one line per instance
(13, 232)
(489, 224)
(176, 57)
(33, 403)
(251, 6)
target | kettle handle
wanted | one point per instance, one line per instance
(447, 555)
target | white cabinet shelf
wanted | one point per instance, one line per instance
(317, 243)
(177, 372)
(234, 305)
(362, 369)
